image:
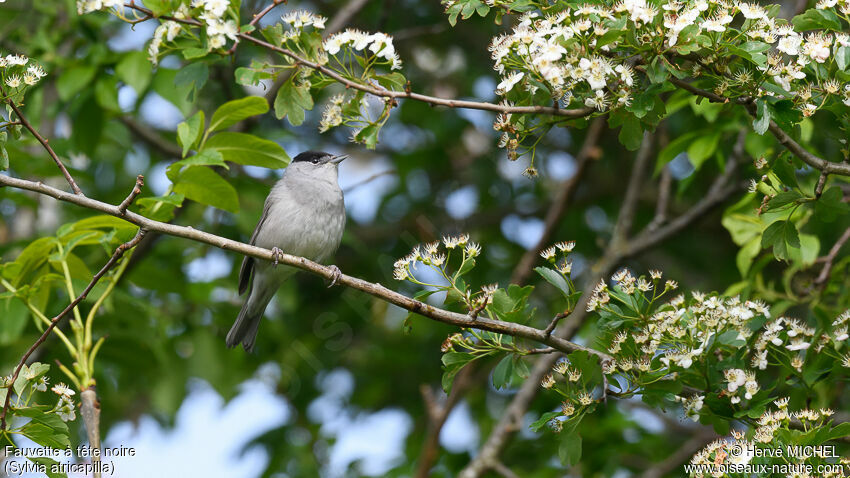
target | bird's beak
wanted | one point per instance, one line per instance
(338, 158)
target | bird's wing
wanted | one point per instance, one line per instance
(248, 262)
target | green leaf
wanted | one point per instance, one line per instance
(160, 208)
(247, 149)
(250, 76)
(657, 71)
(746, 255)
(673, 149)
(192, 78)
(32, 258)
(74, 80)
(163, 84)
(814, 19)
(503, 372)
(14, 316)
(106, 93)
(160, 7)
(204, 158)
(189, 132)
(631, 133)
(368, 136)
(762, 120)
(453, 362)
(830, 204)
(555, 278)
(781, 235)
(135, 70)
(235, 111)
(291, 101)
(44, 428)
(48, 464)
(784, 170)
(783, 199)
(703, 148)
(392, 81)
(569, 450)
(544, 420)
(203, 185)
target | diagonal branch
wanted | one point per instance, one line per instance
(784, 139)
(374, 289)
(53, 323)
(829, 259)
(44, 142)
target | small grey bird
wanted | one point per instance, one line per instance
(304, 215)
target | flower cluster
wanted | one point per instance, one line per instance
(65, 406)
(380, 44)
(88, 6)
(18, 72)
(576, 391)
(740, 448)
(604, 55)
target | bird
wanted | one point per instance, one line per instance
(304, 215)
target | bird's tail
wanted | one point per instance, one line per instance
(244, 330)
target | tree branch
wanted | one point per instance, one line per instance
(384, 93)
(588, 151)
(53, 323)
(784, 139)
(44, 142)
(340, 20)
(374, 289)
(437, 416)
(829, 259)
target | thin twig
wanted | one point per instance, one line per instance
(368, 180)
(554, 323)
(53, 323)
(437, 416)
(503, 470)
(589, 151)
(255, 20)
(821, 183)
(137, 189)
(23, 120)
(829, 259)
(374, 289)
(794, 147)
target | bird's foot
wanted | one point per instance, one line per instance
(336, 273)
(277, 254)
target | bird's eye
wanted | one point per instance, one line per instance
(314, 161)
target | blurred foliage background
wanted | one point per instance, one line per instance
(436, 171)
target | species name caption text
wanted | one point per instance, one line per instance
(46, 460)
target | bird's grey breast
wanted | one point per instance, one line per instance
(306, 217)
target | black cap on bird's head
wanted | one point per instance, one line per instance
(318, 157)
